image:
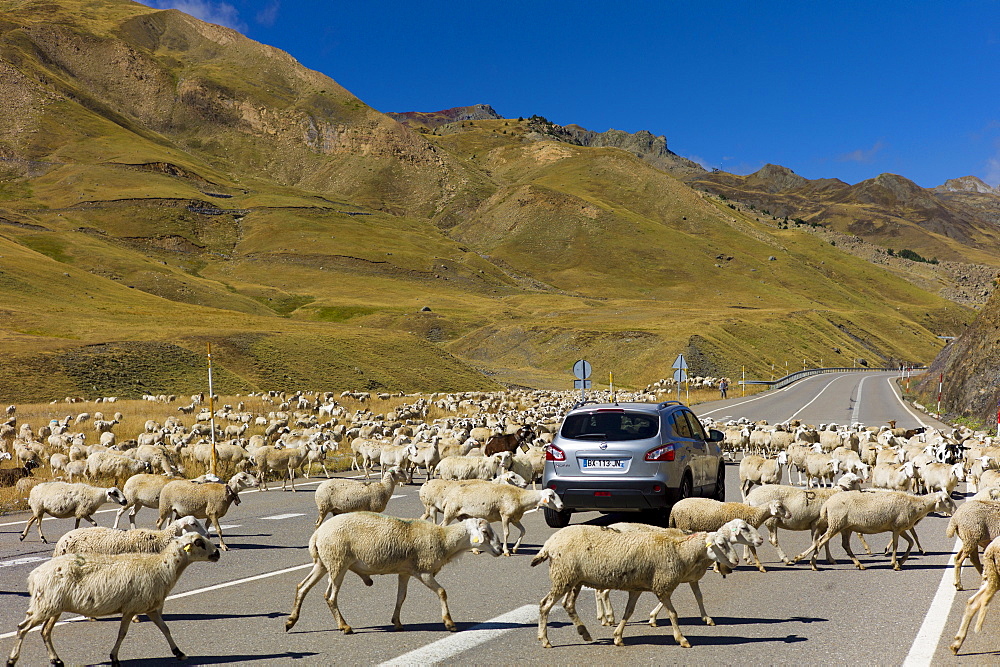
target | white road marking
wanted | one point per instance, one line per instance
(893, 387)
(452, 645)
(278, 517)
(22, 561)
(857, 402)
(815, 398)
(8, 635)
(925, 644)
(400, 495)
(52, 518)
(225, 526)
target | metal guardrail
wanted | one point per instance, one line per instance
(795, 377)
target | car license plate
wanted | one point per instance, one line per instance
(604, 464)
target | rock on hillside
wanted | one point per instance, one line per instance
(435, 119)
(643, 144)
(971, 369)
(967, 184)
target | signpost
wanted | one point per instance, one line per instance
(581, 369)
(680, 374)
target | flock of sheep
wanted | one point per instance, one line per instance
(477, 460)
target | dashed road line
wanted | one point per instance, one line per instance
(815, 398)
(266, 575)
(279, 517)
(452, 645)
(22, 561)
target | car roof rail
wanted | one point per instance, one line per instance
(668, 403)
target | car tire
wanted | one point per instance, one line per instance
(720, 483)
(554, 519)
(687, 487)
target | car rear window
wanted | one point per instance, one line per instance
(610, 426)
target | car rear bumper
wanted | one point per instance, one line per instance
(602, 495)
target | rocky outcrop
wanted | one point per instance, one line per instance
(967, 184)
(435, 119)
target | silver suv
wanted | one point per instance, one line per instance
(614, 457)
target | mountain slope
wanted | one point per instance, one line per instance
(169, 183)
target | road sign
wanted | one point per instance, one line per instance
(680, 375)
(680, 362)
(581, 370)
(581, 384)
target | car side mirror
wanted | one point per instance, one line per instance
(716, 436)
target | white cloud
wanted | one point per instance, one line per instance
(863, 155)
(705, 164)
(221, 13)
(269, 14)
(992, 176)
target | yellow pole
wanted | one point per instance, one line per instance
(744, 383)
(211, 409)
(611, 385)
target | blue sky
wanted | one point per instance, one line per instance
(843, 90)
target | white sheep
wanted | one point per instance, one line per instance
(977, 523)
(367, 543)
(497, 502)
(473, 467)
(115, 466)
(141, 491)
(941, 476)
(210, 500)
(803, 504)
(706, 514)
(433, 492)
(893, 476)
(101, 585)
(337, 496)
(756, 469)
(98, 540)
(636, 561)
(63, 500)
(870, 512)
(736, 531)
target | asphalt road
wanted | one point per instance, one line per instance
(233, 611)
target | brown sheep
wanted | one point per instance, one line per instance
(508, 442)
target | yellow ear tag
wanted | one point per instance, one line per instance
(476, 539)
(187, 548)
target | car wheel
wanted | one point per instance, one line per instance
(720, 483)
(554, 519)
(687, 487)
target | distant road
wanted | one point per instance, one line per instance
(233, 612)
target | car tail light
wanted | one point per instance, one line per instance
(603, 494)
(664, 453)
(610, 410)
(553, 453)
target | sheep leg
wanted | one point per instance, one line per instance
(960, 557)
(118, 515)
(322, 515)
(428, 580)
(555, 594)
(753, 550)
(845, 541)
(569, 604)
(25, 626)
(605, 612)
(123, 630)
(88, 518)
(402, 583)
(218, 531)
(772, 537)
(913, 533)
(520, 527)
(979, 601)
(696, 589)
(909, 547)
(864, 543)
(671, 612)
(633, 597)
(302, 588)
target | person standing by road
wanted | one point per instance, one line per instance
(723, 387)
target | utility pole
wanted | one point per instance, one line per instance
(211, 409)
